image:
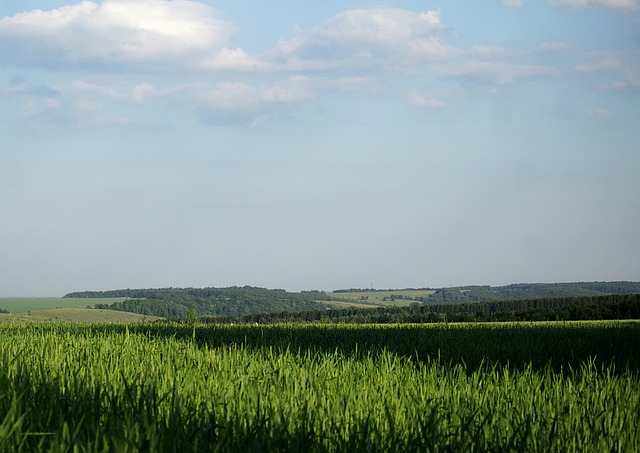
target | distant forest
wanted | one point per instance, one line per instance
(615, 306)
(471, 302)
(530, 291)
(478, 293)
(232, 301)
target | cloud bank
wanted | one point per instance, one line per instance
(223, 84)
(362, 37)
(120, 32)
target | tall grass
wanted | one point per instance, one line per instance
(167, 388)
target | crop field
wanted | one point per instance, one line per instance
(439, 387)
(23, 305)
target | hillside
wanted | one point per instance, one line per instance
(480, 293)
(231, 301)
(531, 291)
(236, 302)
(84, 315)
(613, 306)
(27, 304)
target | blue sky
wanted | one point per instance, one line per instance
(317, 145)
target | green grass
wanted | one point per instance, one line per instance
(378, 297)
(336, 304)
(84, 315)
(23, 305)
(525, 387)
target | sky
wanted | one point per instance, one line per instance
(317, 145)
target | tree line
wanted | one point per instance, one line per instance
(471, 302)
(617, 306)
(529, 291)
(231, 301)
(478, 293)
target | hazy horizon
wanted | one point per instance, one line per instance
(308, 289)
(333, 145)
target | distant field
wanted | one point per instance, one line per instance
(378, 297)
(23, 305)
(85, 315)
(336, 304)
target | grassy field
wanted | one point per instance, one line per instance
(66, 310)
(23, 305)
(337, 304)
(315, 388)
(85, 315)
(377, 298)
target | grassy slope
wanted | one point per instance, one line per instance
(66, 309)
(88, 315)
(23, 305)
(376, 298)
(336, 304)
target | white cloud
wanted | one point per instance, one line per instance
(379, 26)
(87, 105)
(609, 4)
(362, 36)
(431, 47)
(622, 66)
(629, 84)
(183, 37)
(113, 32)
(420, 100)
(484, 51)
(603, 61)
(401, 41)
(80, 86)
(599, 114)
(26, 89)
(496, 72)
(512, 3)
(552, 47)
(353, 84)
(141, 91)
(232, 59)
(239, 103)
(35, 108)
(230, 95)
(285, 93)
